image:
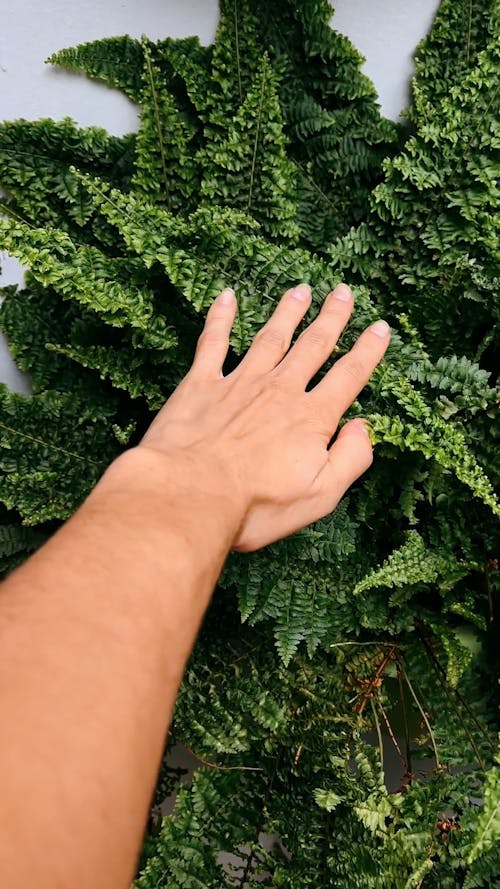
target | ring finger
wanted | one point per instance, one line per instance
(335, 393)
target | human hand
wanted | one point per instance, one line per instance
(256, 432)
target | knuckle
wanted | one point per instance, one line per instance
(355, 370)
(276, 392)
(272, 337)
(359, 450)
(208, 338)
(335, 308)
(217, 317)
(316, 424)
(318, 338)
(275, 385)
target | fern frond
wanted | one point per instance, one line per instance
(35, 161)
(248, 169)
(53, 449)
(116, 61)
(414, 563)
(165, 170)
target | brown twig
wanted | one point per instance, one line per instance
(405, 721)
(424, 717)
(391, 733)
(449, 691)
(374, 681)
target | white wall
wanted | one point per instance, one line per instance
(385, 31)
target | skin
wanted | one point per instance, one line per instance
(97, 626)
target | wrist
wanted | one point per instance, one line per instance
(179, 484)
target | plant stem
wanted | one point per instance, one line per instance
(379, 735)
(405, 720)
(424, 717)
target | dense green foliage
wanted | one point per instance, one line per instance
(259, 162)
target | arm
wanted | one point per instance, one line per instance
(97, 626)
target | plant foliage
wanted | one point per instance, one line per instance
(261, 161)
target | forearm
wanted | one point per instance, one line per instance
(95, 630)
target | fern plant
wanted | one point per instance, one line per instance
(261, 161)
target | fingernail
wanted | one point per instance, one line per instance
(226, 297)
(359, 425)
(342, 292)
(380, 328)
(302, 293)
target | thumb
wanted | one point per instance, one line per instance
(348, 458)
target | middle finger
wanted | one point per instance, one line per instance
(315, 345)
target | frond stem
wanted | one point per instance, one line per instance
(158, 124)
(256, 143)
(52, 447)
(237, 45)
(469, 32)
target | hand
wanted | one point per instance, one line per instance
(257, 431)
